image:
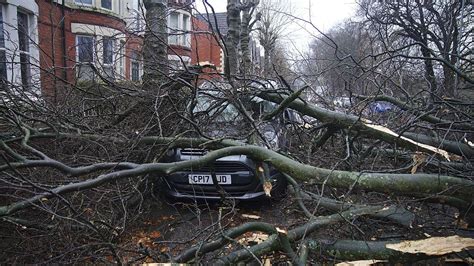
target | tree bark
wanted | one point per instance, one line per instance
(232, 38)
(155, 44)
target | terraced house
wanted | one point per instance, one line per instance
(44, 43)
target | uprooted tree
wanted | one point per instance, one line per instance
(73, 184)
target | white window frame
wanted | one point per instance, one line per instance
(109, 66)
(174, 37)
(182, 33)
(10, 10)
(94, 49)
(79, 64)
(113, 40)
(122, 63)
(80, 2)
(186, 28)
(138, 62)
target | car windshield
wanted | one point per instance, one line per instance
(218, 109)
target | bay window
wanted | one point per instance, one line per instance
(85, 46)
(24, 49)
(135, 66)
(108, 56)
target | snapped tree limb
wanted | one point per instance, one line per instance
(353, 122)
(405, 184)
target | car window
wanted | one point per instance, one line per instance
(220, 110)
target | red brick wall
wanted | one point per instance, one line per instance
(204, 45)
(134, 44)
(52, 50)
(51, 41)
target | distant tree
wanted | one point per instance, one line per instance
(440, 29)
(274, 19)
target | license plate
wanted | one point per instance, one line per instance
(207, 179)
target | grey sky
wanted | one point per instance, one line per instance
(324, 14)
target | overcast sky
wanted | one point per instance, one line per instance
(324, 14)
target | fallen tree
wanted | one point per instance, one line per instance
(76, 181)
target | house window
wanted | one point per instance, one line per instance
(122, 59)
(85, 56)
(137, 15)
(135, 67)
(107, 4)
(174, 28)
(24, 48)
(135, 71)
(108, 56)
(83, 2)
(3, 56)
(186, 37)
(179, 26)
(85, 48)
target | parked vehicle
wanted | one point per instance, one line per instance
(380, 107)
(236, 175)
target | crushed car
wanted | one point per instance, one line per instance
(236, 176)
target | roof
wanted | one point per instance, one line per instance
(211, 19)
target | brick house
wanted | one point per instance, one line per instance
(48, 43)
(207, 47)
(19, 56)
(77, 35)
(45, 44)
(101, 38)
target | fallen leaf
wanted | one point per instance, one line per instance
(282, 231)
(155, 234)
(251, 216)
(418, 159)
(267, 188)
(434, 245)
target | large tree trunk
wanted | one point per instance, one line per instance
(155, 45)
(244, 42)
(429, 72)
(232, 38)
